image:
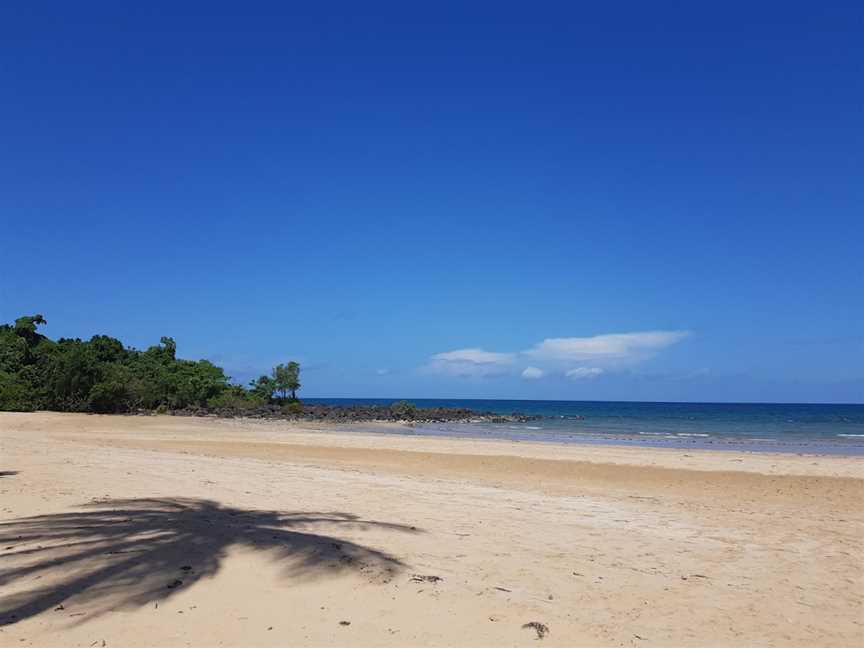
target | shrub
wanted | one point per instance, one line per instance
(14, 394)
(109, 398)
(236, 398)
(294, 408)
(404, 409)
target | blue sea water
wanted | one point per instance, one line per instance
(804, 428)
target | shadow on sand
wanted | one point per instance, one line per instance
(8, 473)
(118, 553)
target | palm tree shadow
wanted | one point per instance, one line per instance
(131, 552)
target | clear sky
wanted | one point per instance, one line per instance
(606, 200)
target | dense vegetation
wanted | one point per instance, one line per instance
(102, 375)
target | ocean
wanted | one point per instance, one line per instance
(766, 427)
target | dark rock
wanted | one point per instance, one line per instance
(540, 628)
(314, 412)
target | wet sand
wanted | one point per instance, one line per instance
(159, 531)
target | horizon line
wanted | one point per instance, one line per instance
(559, 400)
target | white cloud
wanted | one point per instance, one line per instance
(533, 373)
(471, 362)
(382, 372)
(568, 355)
(615, 347)
(476, 356)
(583, 373)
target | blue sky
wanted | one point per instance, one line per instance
(574, 200)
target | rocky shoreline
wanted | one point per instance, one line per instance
(358, 414)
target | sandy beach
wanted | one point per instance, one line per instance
(160, 531)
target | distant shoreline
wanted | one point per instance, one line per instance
(464, 423)
(478, 431)
(800, 428)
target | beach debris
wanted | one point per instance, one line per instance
(344, 623)
(540, 628)
(176, 583)
(502, 589)
(59, 607)
(420, 578)
(640, 637)
(186, 568)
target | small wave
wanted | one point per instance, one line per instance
(851, 435)
(652, 433)
(691, 434)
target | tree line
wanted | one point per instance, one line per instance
(104, 376)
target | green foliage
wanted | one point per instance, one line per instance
(293, 408)
(404, 409)
(26, 326)
(109, 398)
(263, 388)
(108, 349)
(14, 394)
(13, 350)
(237, 398)
(286, 378)
(99, 375)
